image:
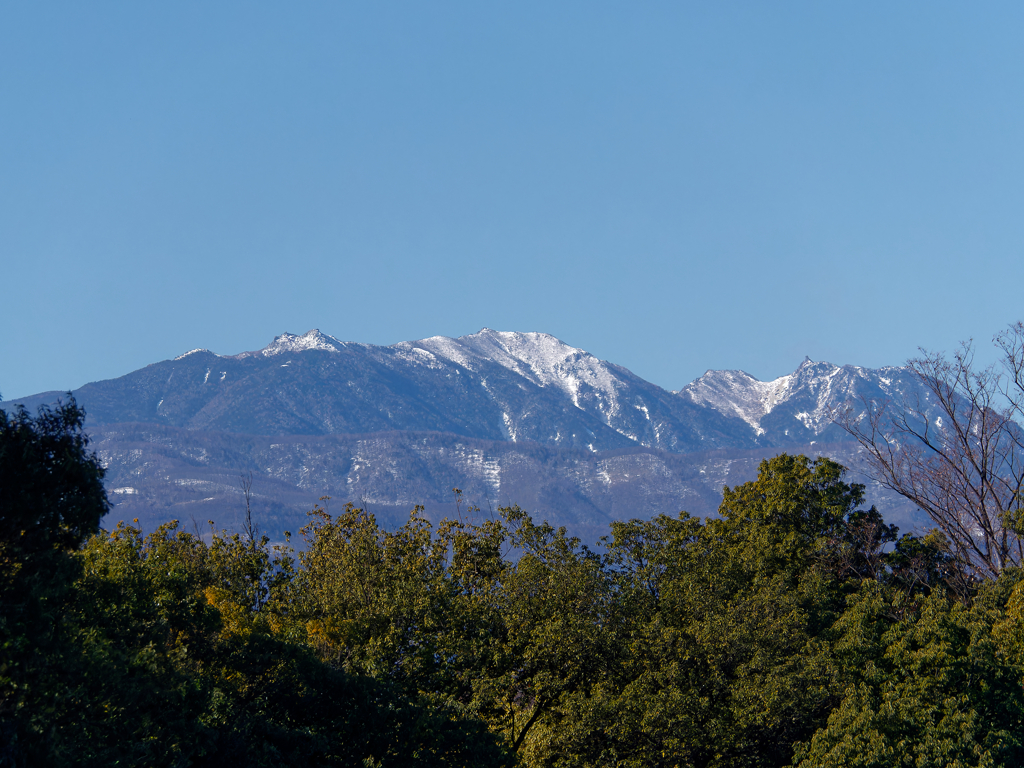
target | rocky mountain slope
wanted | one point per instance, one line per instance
(490, 385)
(797, 408)
(158, 473)
(509, 417)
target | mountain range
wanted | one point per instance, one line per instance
(508, 417)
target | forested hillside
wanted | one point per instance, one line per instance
(796, 628)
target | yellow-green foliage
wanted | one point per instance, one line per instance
(794, 629)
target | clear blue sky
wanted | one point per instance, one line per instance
(671, 186)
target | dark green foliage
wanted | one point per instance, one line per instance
(51, 490)
(121, 650)
(723, 668)
(796, 628)
(938, 687)
(51, 499)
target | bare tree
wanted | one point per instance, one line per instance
(250, 529)
(957, 451)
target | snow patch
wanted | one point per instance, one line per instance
(737, 393)
(191, 352)
(510, 426)
(540, 358)
(289, 342)
(815, 388)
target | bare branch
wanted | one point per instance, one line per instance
(955, 449)
(249, 527)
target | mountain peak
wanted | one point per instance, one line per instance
(531, 353)
(192, 352)
(737, 393)
(808, 396)
(289, 342)
(487, 385)
(540, 358)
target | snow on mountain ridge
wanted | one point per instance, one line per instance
(824, 385)
(737, 393)
(538, 357)
(289, 342)
(192, 352)
(591, 384)
(611, 394)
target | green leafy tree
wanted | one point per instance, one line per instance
(445, 616)
(936, 685)
(51, 500)
(164, 650)
(717, 628)
(794, 628)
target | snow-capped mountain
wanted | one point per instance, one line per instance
(488, 385)
(798, 408)
(288, 342)
(514, 368)
(513, 417)
(538, 357)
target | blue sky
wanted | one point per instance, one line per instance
(671, 186)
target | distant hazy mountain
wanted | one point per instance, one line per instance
(158, 473)
(544, 421)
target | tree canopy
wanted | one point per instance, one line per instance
(796, 628)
